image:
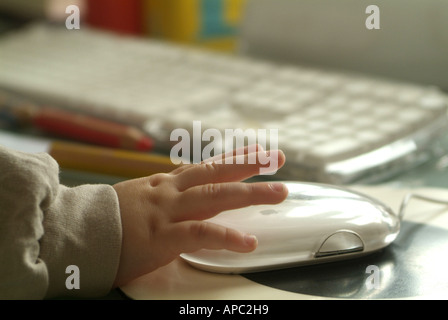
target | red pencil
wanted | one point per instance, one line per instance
(91, 129)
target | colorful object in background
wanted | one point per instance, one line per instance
(209, 23)
(214, 21)
(121, 16)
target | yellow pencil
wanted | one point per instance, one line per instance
(109, 161)
(123, 163)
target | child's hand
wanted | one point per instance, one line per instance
(162, 214)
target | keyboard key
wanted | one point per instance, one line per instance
(335, 150)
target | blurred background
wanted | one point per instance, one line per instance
(411, 45)
(210, 23)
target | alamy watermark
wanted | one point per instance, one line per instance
(73, 21)
(373, 280)
(191, 146)
(73, 280)
(373, 20)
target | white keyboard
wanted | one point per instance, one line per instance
(334, 127)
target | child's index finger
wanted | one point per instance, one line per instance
(236, 168)
(205, 201)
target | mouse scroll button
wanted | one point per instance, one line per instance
(341, 242)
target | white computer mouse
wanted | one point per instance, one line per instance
(316, 223)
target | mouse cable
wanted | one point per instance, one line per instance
(411, 196)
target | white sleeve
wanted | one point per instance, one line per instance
(46, 227)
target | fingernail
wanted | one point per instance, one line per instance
(277, 186)
(250, 240)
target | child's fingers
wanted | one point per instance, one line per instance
(198, 235)
(243, 167)
(205, 201)
(240, 151)
(221, 158)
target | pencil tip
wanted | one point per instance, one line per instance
(145, 144)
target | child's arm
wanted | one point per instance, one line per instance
(112, 234)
